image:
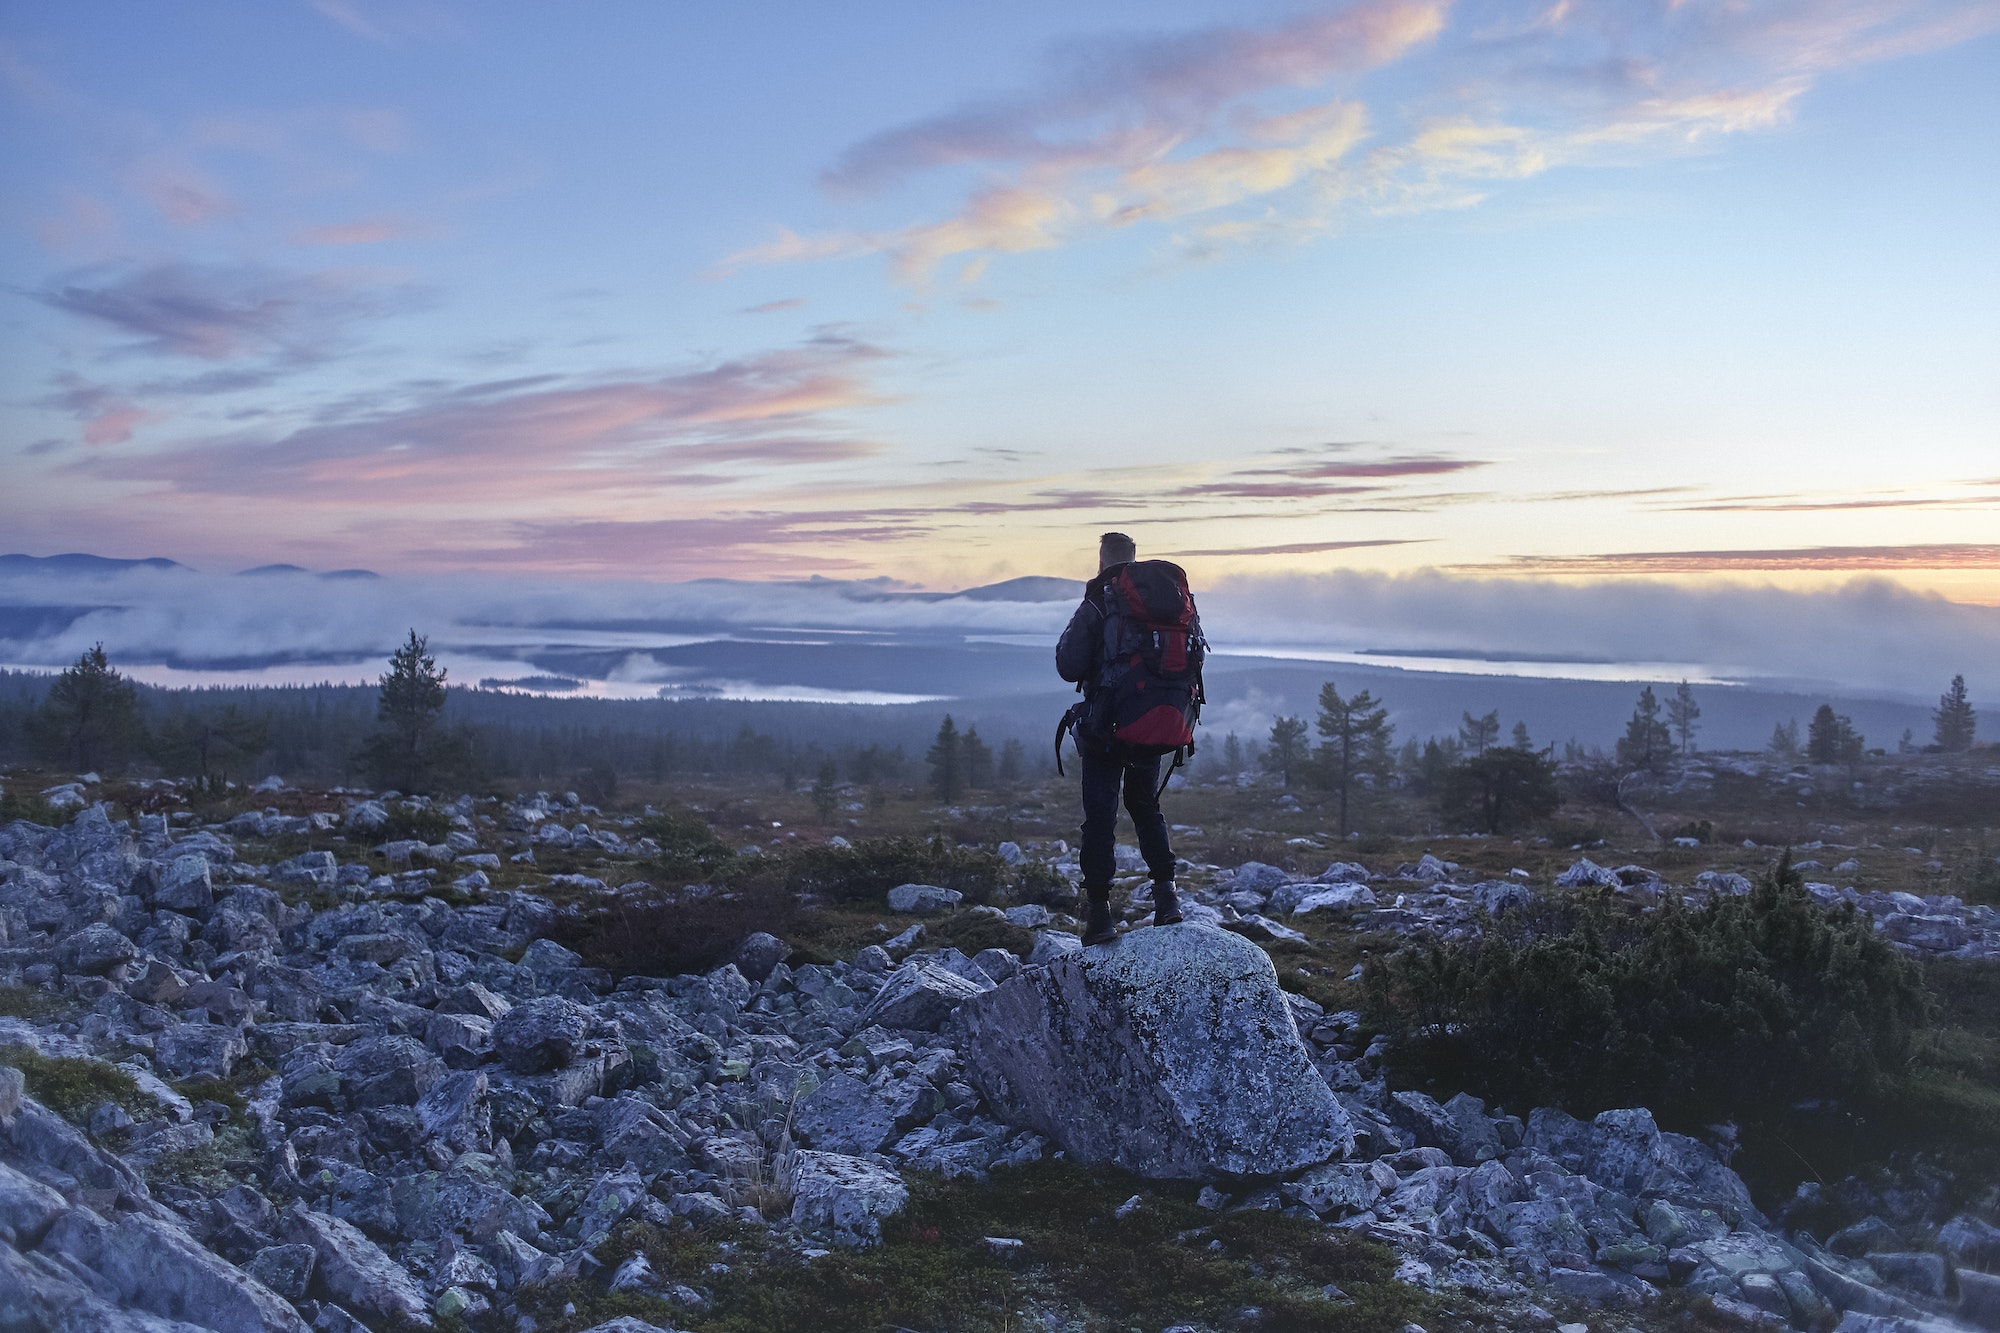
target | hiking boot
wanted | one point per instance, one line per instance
(1097, 926)
(1166, 905)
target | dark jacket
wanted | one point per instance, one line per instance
(1082, 643)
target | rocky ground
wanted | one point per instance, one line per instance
(364, 1088)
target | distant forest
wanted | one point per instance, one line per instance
(318, 733)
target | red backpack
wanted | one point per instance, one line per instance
(1147, 694)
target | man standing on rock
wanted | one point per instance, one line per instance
(1134, 648)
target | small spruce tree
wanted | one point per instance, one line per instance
(977, 757)
(411, 750)
(826, 791)
(1831, 738)
(947, 761)
(1646, 742)
(1954, 719)
(1357, 733)
(1682, 715)
(1476, 733)
(1521, 738)
(1287, 751)
(90, 716)
(1013, 762)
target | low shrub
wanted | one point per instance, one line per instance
(31, 1002)
(1748, 1009)
(72, 1086)
(669, 934)
(423, 822)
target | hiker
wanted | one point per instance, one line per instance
(1134, 648)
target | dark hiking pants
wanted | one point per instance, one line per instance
(1107, 768)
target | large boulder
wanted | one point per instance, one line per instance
(352, 1269)
(542, 1034)
(1170, 1053)
(157, 1268)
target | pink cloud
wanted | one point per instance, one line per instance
(538, 439)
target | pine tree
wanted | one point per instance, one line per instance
(826, 792)
(1287, 751)
(1521, 738)
(1954, 718)
(1476, 733)
(1232, 754)
(947, 761)
(1682, 711)
(411, 749)
(199, 742)
(90, 715)
(1646, 742)
(977, 758)
(1013, 762)
(1357, 733)
(1785, 739)
(1501, 790)
(1831, 738)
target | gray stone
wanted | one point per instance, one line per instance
(285, 1269)
(1979, 1298)
(1335, 898)
(923, 899)
(159, 1269)
(386, 1071)
(1587, 874)
(1171, 1053)
(541, 1034)
(626, 1323)
(847, 1115)
(1051, 945)
(454, 1112)
(185, 886)
(191, 1049)
(759, 954)
(997, 964)
(845, 1197)
(94, 951)
(1340, 1188)
(27, 1207)
(307, 870)
(1912, 1271)
(353, 1270)
(919, 997)
(1970, 1241)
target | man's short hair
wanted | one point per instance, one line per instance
(1115, 548)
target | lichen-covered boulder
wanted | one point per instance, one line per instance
(844, 1197)
(1170, 1053)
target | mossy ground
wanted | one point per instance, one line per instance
(72, 1086)
(1168, 1261)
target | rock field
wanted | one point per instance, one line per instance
(418, 1109)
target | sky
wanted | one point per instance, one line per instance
(1561, 295)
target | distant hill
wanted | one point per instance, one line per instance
(1030, 588)
(78, 563)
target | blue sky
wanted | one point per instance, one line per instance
(1579, 291)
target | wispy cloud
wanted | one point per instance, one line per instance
(1299, 548)
(363, 231)
(543, 438)
(1243, 132)
(1940, 555)
(224, 312)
